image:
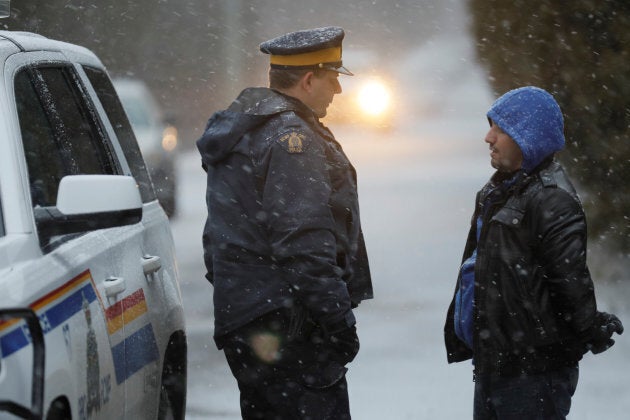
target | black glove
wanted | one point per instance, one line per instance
(604, 326)
(345, 344)
(343, 338)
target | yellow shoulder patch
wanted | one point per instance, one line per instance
(293, 142)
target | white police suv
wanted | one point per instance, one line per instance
(91, 319)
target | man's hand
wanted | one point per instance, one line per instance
(343, 338)
(346, 344)
(604, 327)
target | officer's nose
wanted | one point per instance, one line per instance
(338, 88)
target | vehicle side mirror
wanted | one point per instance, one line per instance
(90, 202)
(84, 194)
(39, 364)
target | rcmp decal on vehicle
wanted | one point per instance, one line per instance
(53, 310)
(130, 352)
(91, 402)
(139, 348)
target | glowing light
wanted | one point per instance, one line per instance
(374, 98)
(169, 138)
(266, 346)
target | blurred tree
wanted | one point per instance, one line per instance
(579, 51)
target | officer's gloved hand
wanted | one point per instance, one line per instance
(342, 336)
(600, 334)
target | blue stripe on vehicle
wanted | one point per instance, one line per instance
(13, 341)
(61, 312)
(134, 353)
(50, 319)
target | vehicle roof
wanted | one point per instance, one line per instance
(31, 42)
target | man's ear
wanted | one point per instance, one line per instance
(306, 82)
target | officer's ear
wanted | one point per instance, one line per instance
(306, 82)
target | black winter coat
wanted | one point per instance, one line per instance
(534, 299)
(283, 222)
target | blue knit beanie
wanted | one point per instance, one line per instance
(532, 117)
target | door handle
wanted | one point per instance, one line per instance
(151, 264)
(114, 286)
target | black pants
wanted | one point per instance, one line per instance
(282, 378)
(542, 396)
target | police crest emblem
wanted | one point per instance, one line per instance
(293, 142)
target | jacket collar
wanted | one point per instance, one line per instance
(519, 180)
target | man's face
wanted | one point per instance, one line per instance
(505, 155)
(324, 87)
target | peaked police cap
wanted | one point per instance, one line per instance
(311, 48)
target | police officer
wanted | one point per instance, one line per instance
(283, 244)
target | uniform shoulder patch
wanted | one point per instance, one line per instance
(292, 141)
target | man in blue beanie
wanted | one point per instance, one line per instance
(524, 307)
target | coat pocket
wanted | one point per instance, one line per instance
(509, 216)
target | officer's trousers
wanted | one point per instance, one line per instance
(282, 379)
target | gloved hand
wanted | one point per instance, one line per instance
(343, 339)
(346, 342)
(604, 326)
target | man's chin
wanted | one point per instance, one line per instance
(501, 168)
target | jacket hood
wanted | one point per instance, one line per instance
(533, 119)
(252, 108)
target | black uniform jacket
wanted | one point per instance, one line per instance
(283, 222)
(534, 298)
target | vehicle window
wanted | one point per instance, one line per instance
(117, 117)
(59, 132)
(61, 135)
(44, 161)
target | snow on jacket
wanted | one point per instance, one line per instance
(465, 296)
(533, 299)
(283, 222)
